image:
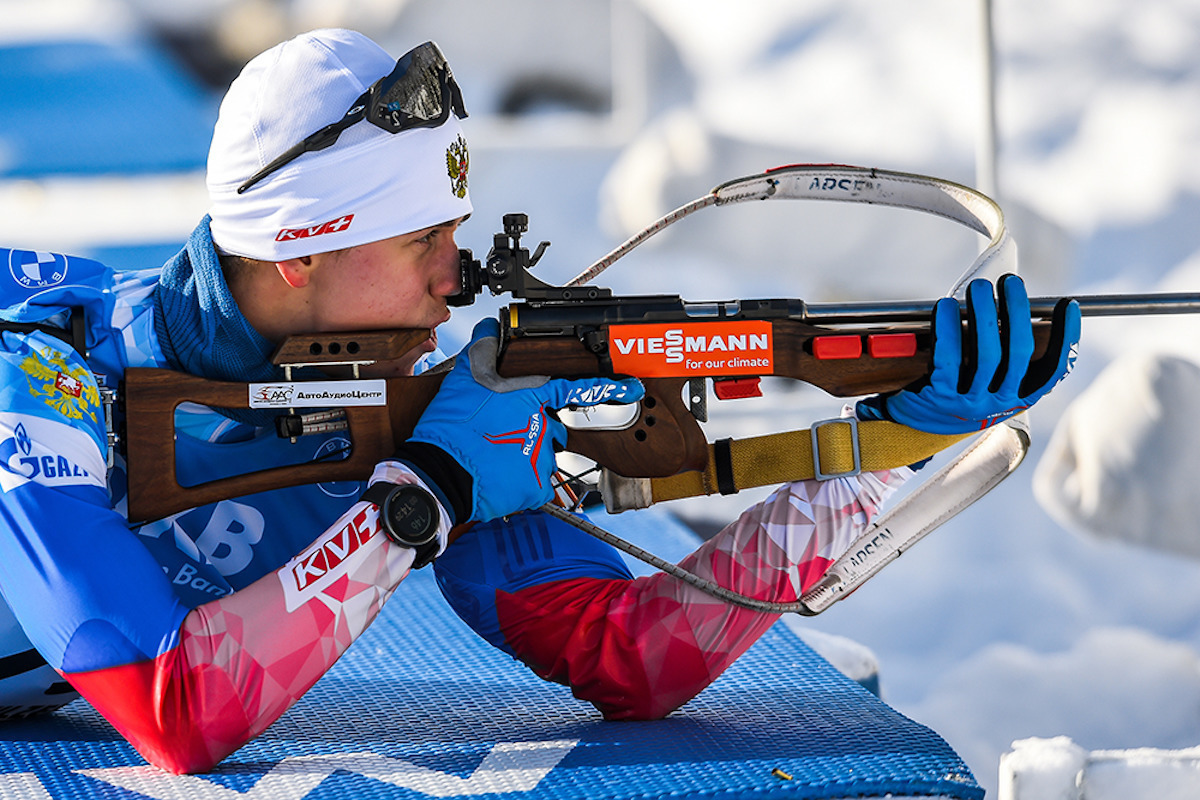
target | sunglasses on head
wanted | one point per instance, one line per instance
(419, 93)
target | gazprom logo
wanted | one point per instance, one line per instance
(37, 270)
(48, 453)
(17, 456)
(22, 441)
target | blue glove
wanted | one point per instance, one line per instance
(487, 443)
(989, 376)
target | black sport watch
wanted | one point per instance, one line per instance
(409, 516)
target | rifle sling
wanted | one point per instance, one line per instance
(736, 464)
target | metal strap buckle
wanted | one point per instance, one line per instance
(108, 398)
(820, 474)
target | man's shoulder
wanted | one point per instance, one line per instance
(44, 376)
(52, 419)
(36, 284)
(56, 292)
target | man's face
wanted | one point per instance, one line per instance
(402, 282)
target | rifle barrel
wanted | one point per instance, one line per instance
(1096, 305)
(1123, 305)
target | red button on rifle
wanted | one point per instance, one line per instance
(892, 345)
(736, 388)
(831, 347)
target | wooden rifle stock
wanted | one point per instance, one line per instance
(150, 397)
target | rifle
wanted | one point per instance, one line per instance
(580, 329)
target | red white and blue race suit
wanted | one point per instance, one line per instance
(194, 633)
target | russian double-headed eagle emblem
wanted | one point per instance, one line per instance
(64, 388)
(457, 161)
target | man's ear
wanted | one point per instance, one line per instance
(296, 271)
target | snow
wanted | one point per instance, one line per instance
(1116, 451)
(1058, 769)
(1019, 621)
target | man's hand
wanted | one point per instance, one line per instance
(488, 442)
(988, 375)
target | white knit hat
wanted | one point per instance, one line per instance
(370, 185)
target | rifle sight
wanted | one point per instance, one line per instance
(506, 269)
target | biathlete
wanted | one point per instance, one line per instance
(338, 179)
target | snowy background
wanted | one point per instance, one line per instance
(596, 117)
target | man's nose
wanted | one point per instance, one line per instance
(449, 278)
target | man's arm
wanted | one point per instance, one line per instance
(241, 661)
(638, 649)
(189, 686)
(185, 686)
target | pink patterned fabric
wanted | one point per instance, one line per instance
(640, 649)
(244, 659)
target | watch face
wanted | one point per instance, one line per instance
(411, 515)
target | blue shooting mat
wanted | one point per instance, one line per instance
(419, 707)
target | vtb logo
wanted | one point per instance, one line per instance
(530, 438)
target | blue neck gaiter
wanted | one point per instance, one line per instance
(199, 326)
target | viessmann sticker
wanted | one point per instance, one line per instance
(670, 350)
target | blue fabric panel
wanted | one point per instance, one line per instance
(420, 707)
